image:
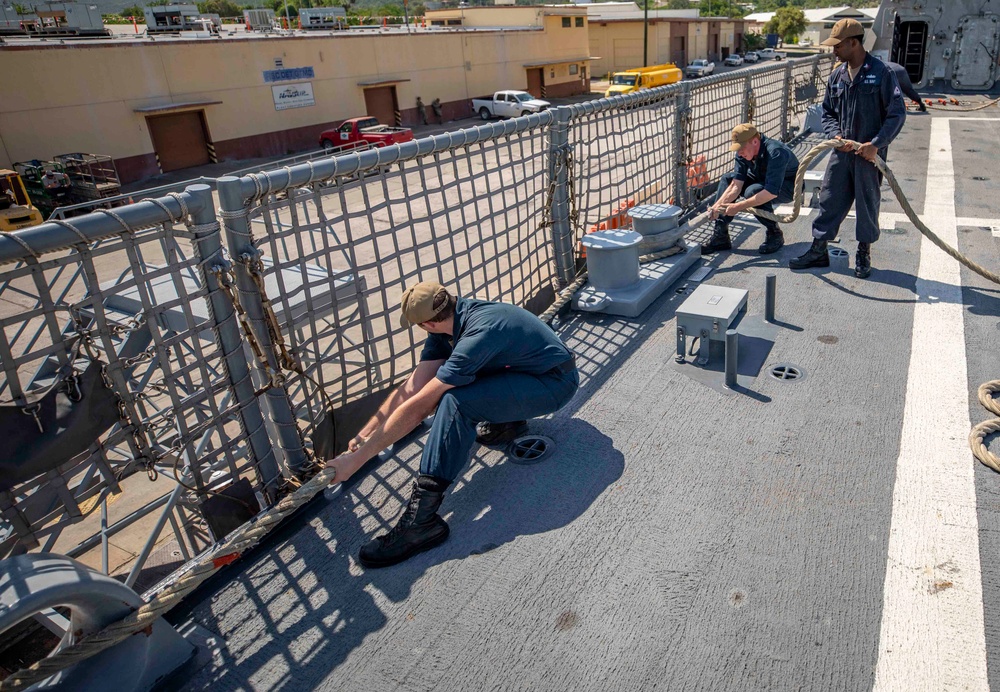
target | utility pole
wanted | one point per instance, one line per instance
(645, 33)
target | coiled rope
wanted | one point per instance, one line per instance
(987, 427)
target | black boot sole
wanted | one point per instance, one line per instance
(762, 250)
(810, 265)
(416, 550)
(712, 250)
(863, 273)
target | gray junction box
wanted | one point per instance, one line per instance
(707, 313)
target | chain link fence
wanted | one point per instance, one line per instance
(229, 335)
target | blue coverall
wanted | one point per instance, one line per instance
(505, 364)
(905, 85)
(868, 109)
(772, 169)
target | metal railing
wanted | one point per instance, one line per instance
(316, 254)
(71, 210)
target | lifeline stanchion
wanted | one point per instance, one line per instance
(732, 356)
(770, 282)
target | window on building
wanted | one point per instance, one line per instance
(567, 22)
(579, 21)
(574, 69)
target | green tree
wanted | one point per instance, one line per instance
(720, 8)
(133, 11)
(787, 22)
(223, 8)
(676, 5)
(754, 41)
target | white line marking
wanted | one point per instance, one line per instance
(932, 635)
(975, 221)
(785, 209)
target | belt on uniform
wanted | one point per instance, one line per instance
(566, 365)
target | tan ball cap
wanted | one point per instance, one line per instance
(418, 302)
(845, 28)
(742, 134)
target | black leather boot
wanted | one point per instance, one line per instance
(773, 241)
(419, 529)
(497, 434)
(815, 256)
(719, 240)
(863, 261)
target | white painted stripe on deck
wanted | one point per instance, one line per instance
(786, 209)
(932, 634)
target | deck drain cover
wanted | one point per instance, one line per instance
(786, 372)
(530, 449)
(838, 252)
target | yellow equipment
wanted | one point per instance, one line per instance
(16, 209)
(643, 78)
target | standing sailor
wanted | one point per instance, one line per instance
(863, 103)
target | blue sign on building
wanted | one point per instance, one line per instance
(289, 73)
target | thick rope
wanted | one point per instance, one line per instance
(248, 535)
(896, 189)
(228, 551)
(987, 427)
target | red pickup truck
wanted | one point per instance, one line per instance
(363, 131)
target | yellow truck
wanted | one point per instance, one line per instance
(643, 78)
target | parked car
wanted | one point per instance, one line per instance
(733, 60)
(508, 104)
(363, 131)
(699, 68)
(805, 42)
(771, 54)
(751, 56)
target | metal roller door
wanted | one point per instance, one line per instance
(380, 102)
(179, 140)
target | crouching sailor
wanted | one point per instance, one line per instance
(492, 364)
(764, 173)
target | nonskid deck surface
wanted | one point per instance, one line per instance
(679, 538)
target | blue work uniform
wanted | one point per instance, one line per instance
(505, 364)
(773, 169)
(868, 109)
(903, 79)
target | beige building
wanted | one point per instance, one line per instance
(172, 103)
(819, 22)
(616, 36)
(565, 71)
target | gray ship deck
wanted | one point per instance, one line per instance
(811, 535)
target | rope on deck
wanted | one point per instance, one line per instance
(229, 550)
(960, 109)
(987, 427)
(248, 535)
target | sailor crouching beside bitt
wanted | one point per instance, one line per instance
(764, 172)
(489, 363)
(863, 103)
